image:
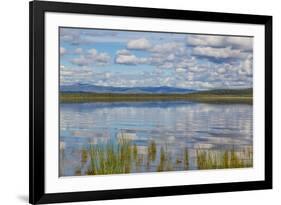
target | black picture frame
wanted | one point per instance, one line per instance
(37, 10)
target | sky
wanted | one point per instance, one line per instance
(152, 59)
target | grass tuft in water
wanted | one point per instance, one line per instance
(165, 163)
(186, 159)
(110, 158)
(135, 152)
(210, 159)
(152, 150)
(84, 155)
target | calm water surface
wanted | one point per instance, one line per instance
(175, 125)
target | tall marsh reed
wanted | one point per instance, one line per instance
(111, 158)
(209, 159)
(125, 157)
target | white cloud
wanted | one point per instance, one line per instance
(187, 63)
(70, 35)
(81, 61)
(64, 51)
(200, 62)
(233, 68)
(123, 52)
(129, 60)
(102, 58)
(195, 69)
(180, 70)
(126, 57)
(90, 57)
(170, 57)
(165, 55)
(205, 40)
(246, 66)
(70, 75)
(221, 70)
(75, 36)
(242, 43)
(216, 52)
(170, 47)
(161, 55)
(139, 44)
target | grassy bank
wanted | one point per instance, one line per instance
(208, 97)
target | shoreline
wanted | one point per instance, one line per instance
(195, 97)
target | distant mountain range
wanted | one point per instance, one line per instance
(79, 87)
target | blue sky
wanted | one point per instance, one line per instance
(141, 59)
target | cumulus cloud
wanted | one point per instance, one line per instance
(171, 55)
(99, 57)
(242, 43)
(190, 61)
(81, 61)
(64, 51)
(180, 70)
(170, 47)
(221, 70)
(217, 52)
(70, 75)
(90, 57)
(204, 40)
(85, 74)
(123, 52)
(168, 55)
(74, 36)
(70, 35)
(246, 66)
(224, 66)
(139, 44)
(164, 56)
(126, 57)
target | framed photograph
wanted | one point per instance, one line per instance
(140, 102)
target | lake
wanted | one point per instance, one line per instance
(156, 136)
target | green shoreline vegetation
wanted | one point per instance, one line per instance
(125, 157)
(213, 96)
